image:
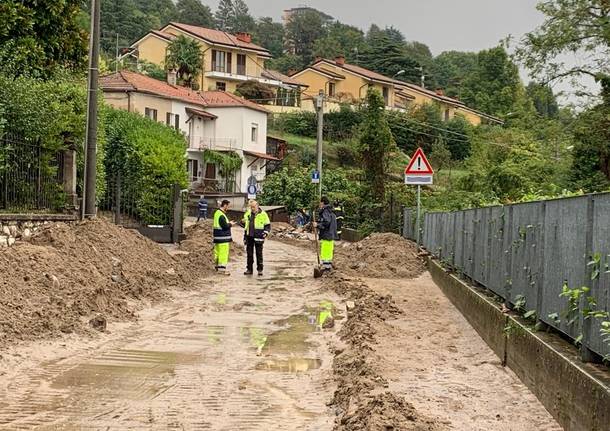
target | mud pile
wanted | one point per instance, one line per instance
(381, 255)
(199, 246)
(362, 398)
(288, 234)
(68, 274)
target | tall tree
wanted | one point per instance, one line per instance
(270, 35)
(375, 144)
(184, 56)
(224, 15)
(495, 86)
(341, 39)
(591, 169)
(385, 53)
(242, 21)
(36, 39)
(577, 27)
(544, 99)
(195, 13)
(302, 31)
(450, 70)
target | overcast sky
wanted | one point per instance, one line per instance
(464, 25)
(444, 25)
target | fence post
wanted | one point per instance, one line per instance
(177, 219)
(585, 353)
(117, 199)
(70, 176)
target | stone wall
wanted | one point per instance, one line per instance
(21, 227)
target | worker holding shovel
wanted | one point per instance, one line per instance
(222, 237)
(327, 233)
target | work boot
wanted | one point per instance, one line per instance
(260, 273)
(248, 272)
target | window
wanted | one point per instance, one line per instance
(172, 120)
(241, 64)
(331, 89)
(254, 132)
(221, 86)
(221, 61)
(386, 95)
(150, 113)
(192, 166)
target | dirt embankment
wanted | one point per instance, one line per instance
(199, 245)
(381, 255)
(68, 274)
(362, 399)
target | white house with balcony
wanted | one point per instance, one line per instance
(215, 124)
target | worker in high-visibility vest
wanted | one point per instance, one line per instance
(327, 231)
(339, 213)
(222, 237)
(257, 226)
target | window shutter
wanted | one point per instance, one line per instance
(229, 68)
(214, 59)
(177, 121)
(168, 119)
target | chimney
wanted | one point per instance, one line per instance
(172, 77)
(292, 72)
(440, 92)
(244, 37)
(340, 60)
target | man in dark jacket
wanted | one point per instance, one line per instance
(202, 208)
(256, 228)
(327, 231)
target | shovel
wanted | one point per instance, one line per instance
(317, 271)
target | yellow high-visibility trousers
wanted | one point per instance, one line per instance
(327, 252)
(221, 255)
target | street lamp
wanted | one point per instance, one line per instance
(400, 72)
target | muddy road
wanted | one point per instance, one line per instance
(235, 353)
(242, 353)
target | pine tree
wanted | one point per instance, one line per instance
(241, 20)
(195, 13)
(224, 15)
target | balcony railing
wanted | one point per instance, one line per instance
(206, 143)
(241, 77)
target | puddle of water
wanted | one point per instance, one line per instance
(122, 370)
(293, 339)
(292, 365)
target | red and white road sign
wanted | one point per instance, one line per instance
(419, 164)
(419, 170)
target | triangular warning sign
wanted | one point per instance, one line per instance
(419, 165)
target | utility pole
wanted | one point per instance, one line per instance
(116, 58)
(89, 198)
(320, 109)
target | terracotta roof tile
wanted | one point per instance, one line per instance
(219, 37)
(131, 81)
(278, 76)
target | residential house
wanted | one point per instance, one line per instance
(348, 83)
(227, 60)
(212, 121)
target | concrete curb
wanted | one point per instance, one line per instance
(575, 393)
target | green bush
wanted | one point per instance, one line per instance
(51, 114)
(150, 158)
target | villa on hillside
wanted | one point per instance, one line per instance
(212, 122)
(228, 60)
(347, 83)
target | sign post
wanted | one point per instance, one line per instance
(252, 187)
(417, 173)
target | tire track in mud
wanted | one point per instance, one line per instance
(237, 353)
